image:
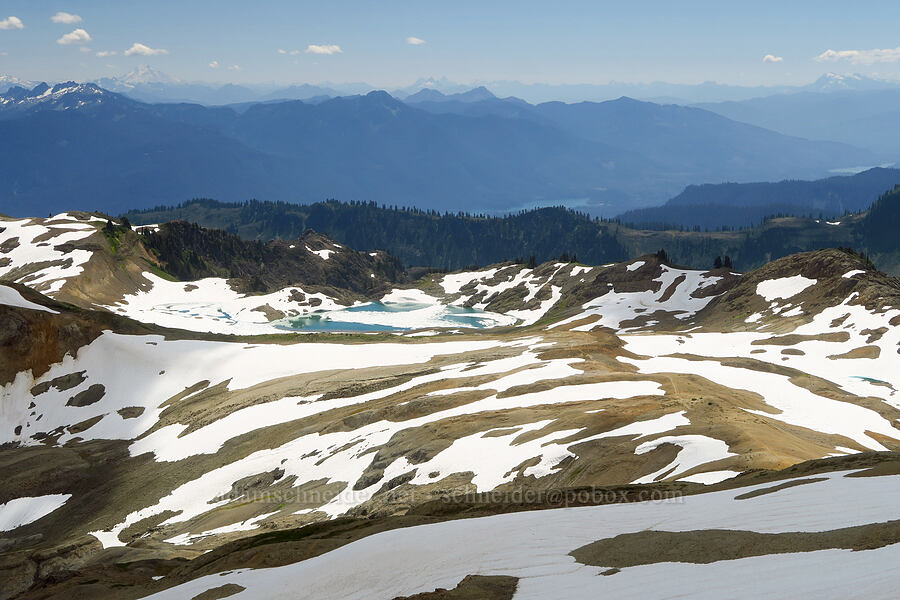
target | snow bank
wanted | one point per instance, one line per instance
(535, 547)
(22, 511)
(785, 287)
(11, 297)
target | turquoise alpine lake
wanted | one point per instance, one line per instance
(394, 316)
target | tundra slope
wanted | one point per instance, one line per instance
(131, 442)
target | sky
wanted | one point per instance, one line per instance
(393, 43)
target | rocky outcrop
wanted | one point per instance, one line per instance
(189, 252)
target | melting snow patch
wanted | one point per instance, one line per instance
(247, 525)
(695, 450)
(323, 254)
(22, 511)
(644, 428)
(11, 297)
(635, 265)
(59, 265)
(785, 287)
(794, 404)
(454, 282)
(710, 477)
(614, 307)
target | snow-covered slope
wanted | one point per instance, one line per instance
(537, 549)
(625, 374)
(39, 252)
(61, 96)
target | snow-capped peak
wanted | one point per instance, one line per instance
(146, 74)
(834, 82)
(62, 96)
(8, 81)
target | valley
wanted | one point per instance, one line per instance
(174, 426)
(490, 154)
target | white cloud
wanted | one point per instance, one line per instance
(144, 50)
(323, 49)
(214, 64)
(78, 36)
(234, 68)
(67, 18)
(771, 58)
(414, 41)
(12, 23)
(861, 57)
(85, 49)
(292, 52)
(103, 53)
(282, 51)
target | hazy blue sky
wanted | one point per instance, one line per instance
(554, 42)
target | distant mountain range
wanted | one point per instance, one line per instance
(111, 152)
(866, 118)
(150, 85)
(712, 206)
(656, 91)
(8, 81)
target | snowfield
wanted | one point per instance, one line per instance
(211, 305)
(36, 248)
(535, 546)
(504, 378)
(859, 376)
(614, 308)
(160, 369)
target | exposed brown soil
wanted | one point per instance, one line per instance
(223, 591)
(862, 352)
(92, 394)
(778, 488)
(61, 383)
(793, 339)
(131, 412)
(712, 545)
(473, 587)
(34, 340)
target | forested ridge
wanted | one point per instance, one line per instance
(416, 237)
(734, 205)
(457, 240)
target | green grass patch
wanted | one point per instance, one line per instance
(161, 273)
